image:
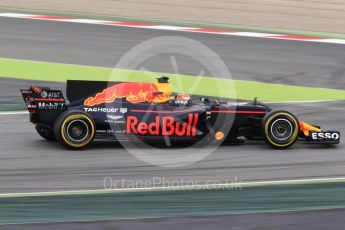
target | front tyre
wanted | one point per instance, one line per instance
(74, 129)
(280, 129)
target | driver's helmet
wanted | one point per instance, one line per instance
(183, 99)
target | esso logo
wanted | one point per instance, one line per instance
(334, 136)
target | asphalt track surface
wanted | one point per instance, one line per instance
(30, 164)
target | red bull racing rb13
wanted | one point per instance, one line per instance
(151, 112)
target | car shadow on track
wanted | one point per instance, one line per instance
(247, 144)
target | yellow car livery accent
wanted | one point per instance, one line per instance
(306, 128)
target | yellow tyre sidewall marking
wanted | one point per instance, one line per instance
(71, 118)
(294, 135)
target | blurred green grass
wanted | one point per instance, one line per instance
(206, 86)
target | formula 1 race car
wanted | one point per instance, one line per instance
(150, 112)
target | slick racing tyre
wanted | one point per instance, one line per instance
(45, 131)
(74, 129)
(280, 129)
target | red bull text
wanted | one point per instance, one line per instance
(166, 126)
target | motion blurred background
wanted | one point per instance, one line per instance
(309, 15)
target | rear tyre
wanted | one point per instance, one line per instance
(45, 131)
(74, 129)
(280, 129)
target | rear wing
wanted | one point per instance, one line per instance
(43, 103)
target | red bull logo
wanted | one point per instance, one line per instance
(134, 92)
(166, 126)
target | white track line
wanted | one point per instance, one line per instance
(13, 112)
(232, 185)
(225, 32)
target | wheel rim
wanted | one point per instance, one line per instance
(282, 129)
(77, 130)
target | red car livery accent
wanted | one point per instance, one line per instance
(134, 92)
(166, 126)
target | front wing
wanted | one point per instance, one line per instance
(314, 134)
